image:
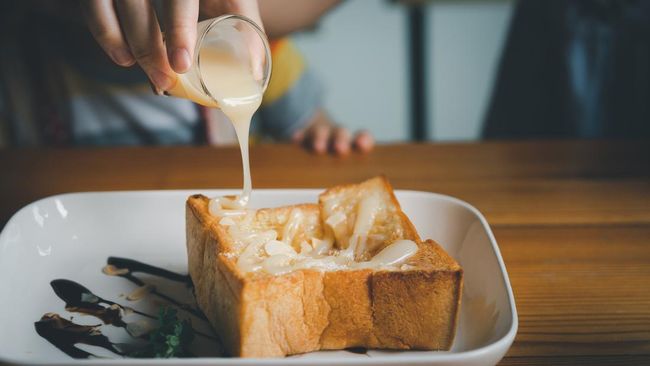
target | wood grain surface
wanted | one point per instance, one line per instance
(572, 218)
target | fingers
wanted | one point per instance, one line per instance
(341, 141)
(319, 138)
(322, 138)
(103, 23)
(315, 137)
(179, 21)
(128, 31)
(142, 33)
(322, 135)
(364, 142)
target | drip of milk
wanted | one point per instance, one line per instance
(238, 94)
(227, 75)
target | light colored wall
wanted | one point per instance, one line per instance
(360, 53)
(467, 39)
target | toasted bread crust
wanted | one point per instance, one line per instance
(262, 315)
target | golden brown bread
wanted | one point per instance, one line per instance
(260, 314)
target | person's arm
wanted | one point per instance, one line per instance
(304, 14)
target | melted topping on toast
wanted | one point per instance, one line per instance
(303, 240)
(264, 252)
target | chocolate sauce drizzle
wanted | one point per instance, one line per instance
(79, 299)
(64, 334)
(134, 266)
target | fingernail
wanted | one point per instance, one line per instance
(180, 59)
(122, 57)
(161, 80)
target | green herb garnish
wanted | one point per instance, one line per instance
(171, 339)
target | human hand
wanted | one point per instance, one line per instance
(129, 31)
(322, 135)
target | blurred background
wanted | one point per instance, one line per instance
(464, 70)
(409, 70)
(361, 52)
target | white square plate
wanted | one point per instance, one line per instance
(71, 236)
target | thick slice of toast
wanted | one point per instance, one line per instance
(261, 305)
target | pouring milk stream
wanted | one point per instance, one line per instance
(225, 76)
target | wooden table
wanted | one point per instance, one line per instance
(572, 219)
